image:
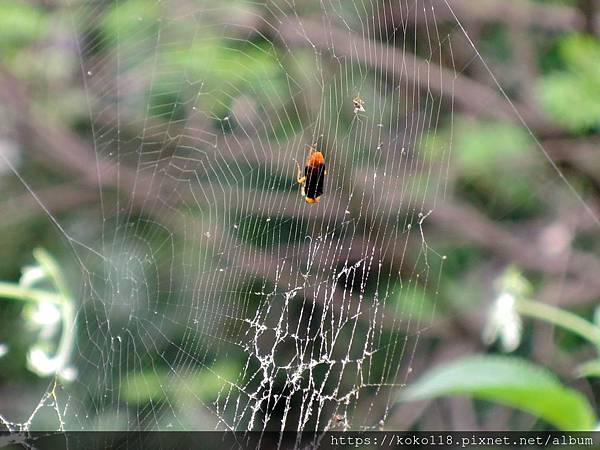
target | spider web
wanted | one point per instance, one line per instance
(215, 297)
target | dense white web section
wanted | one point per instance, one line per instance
(215, 297)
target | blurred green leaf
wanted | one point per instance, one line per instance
(589, 369)
(415, 301)
(158, 384)
(144, 386)
(572, 96)
(129, 21)
(509, 381)
(20, 24)
(207, 384)
(488, 156)
(480, 147)
(226, 70)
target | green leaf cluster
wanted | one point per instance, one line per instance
(572, 96)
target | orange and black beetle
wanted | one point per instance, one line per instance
(313, 180)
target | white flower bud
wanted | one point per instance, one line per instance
(504, 323)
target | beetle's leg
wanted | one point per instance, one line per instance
(300, 178)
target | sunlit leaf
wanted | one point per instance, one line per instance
(509, 381)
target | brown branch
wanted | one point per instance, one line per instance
(58, 198)
(523, 13)
(580, 153)
(63, 150)
(471, 95)
(589, 10)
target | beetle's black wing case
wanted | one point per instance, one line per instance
(315, 181)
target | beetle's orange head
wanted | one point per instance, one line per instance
(315, 159)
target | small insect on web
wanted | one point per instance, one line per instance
(313, 181)
(359, 105)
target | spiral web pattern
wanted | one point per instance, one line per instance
(216, 297)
